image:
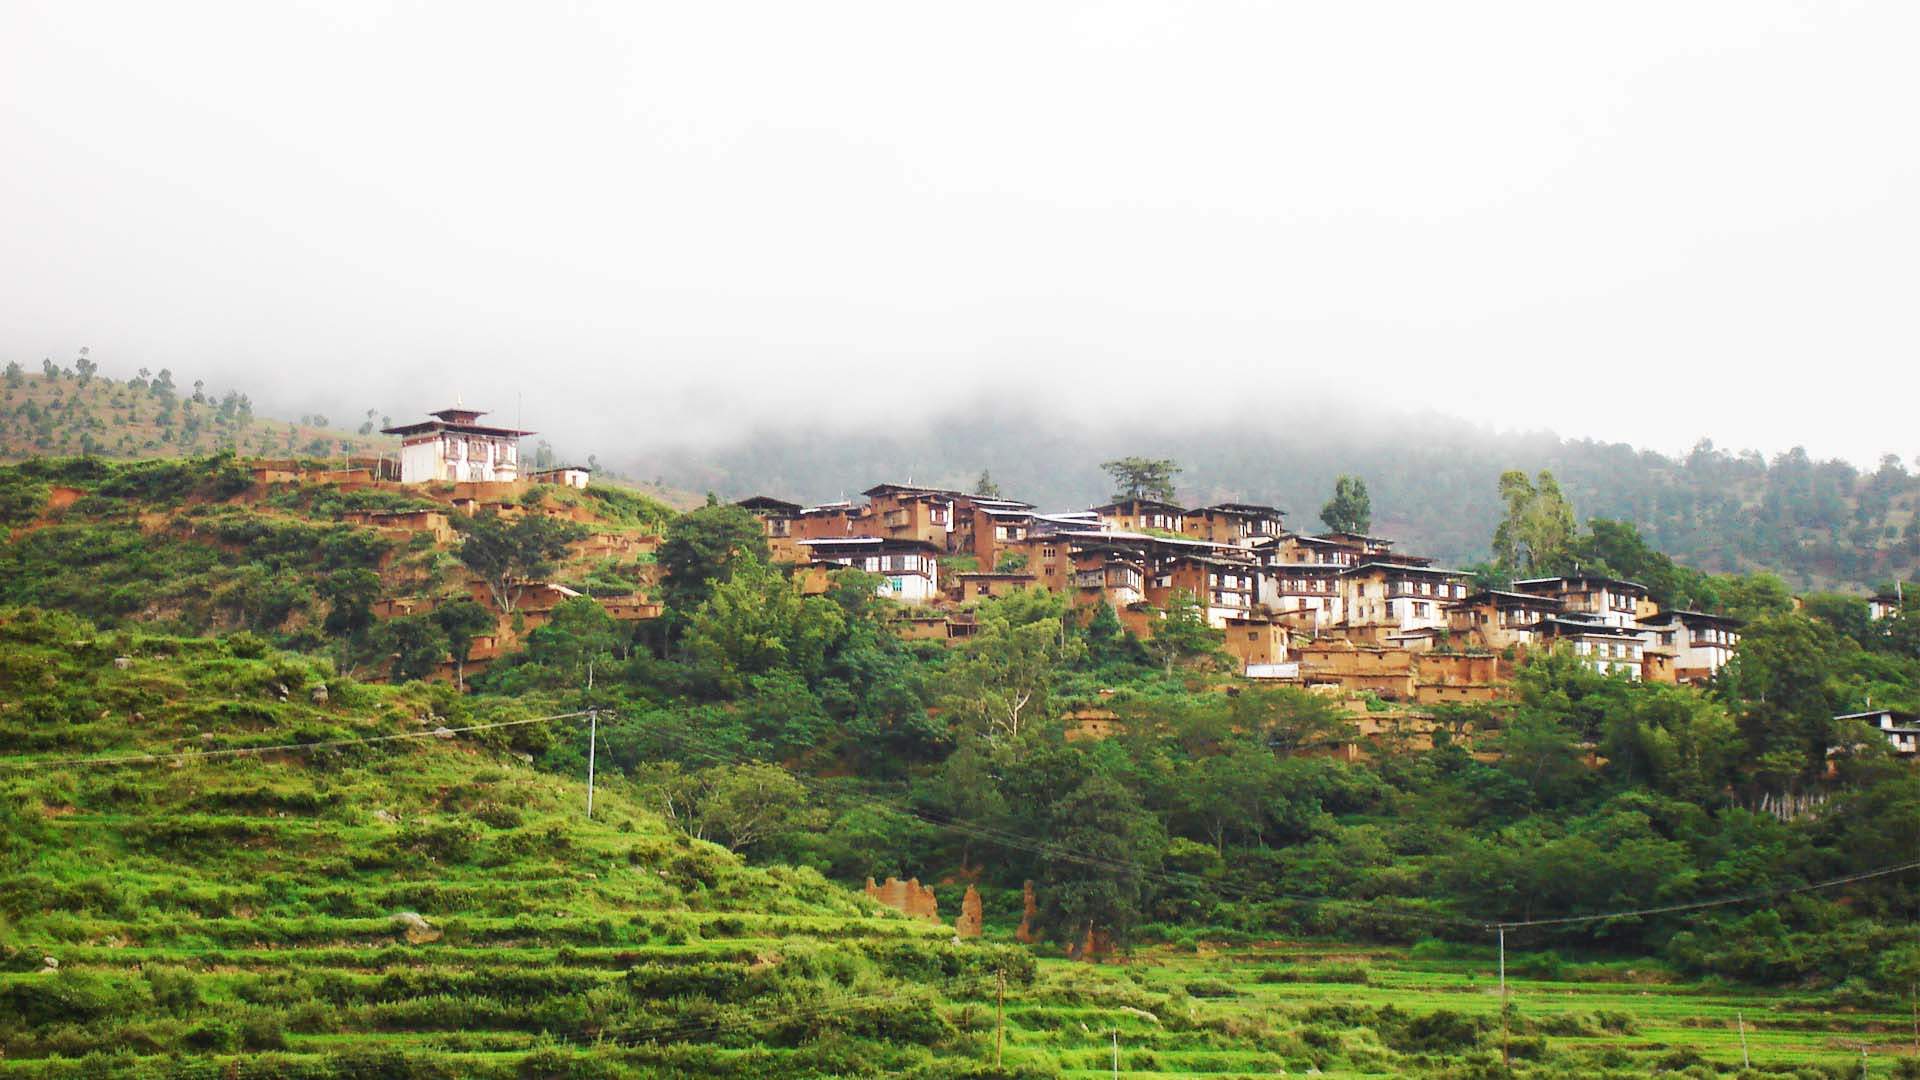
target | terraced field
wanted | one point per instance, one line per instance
(421, 906)
(437, 907)
(1362, 1011)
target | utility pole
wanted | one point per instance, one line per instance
(1506, 1058)
(593, 738)
(999, 1015)
(1745, 1061)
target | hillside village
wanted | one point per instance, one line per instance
(1343, 613)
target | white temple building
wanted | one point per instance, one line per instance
(453, 447)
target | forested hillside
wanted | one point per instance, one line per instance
(76, 410)
(1288, 891)
(1434, 481)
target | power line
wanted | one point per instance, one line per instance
(1047, 848)
(1022, 842)
(280, 748)
(1721, 901)
(1001, 837)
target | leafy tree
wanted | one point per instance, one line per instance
(985, 487)
(701, 548)
(741, 806)
(1545, 756)
(1350, 509)
(1289, 719)
(85, 367)
(50, 369)
(1004, 677)
(1106, 638)
(1538, 530)
(1142, 478)
(578, 643)
(1181, 632)
(508, 556)
(1753, 596)
(1226, 794)
(413, 645)
(350, 594)
(1099, 885)
(1784, 687)
(15, 374)
(756, 621)
(462, 621)
(1674, 740)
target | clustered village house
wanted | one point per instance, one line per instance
(1341, 612)
(1341, 608)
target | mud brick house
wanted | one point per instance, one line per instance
(455, 446)
(1238, 524)
(1142, 515)
(1256, 642)
(1701, 643)
(987, 527)
(1224, 587)
(909, 569)
(1613, 601)
(778, 521)
(1358, 668)
(434, 523)
(1457, 678)
(1295, 548)
(905, 512)
(1498, 619)
(1361, 545)
(981, 586)
(1603, 646)
(1382, 598)
(1108, 573)
(1310, 592)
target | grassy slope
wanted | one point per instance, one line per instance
(242, 913)
(193, 543)
(248, 905)
(1353, 1011)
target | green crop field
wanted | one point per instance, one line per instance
(1366, 1011)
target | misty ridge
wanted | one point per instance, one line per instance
(1433, 478)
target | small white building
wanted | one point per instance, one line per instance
(452, 447)
(1902, 729)
(909, 569)
(1612, 601)
(1603, 647)
(1702, 643)
(1313, 588)
(573, 476)
(1883, 605)
(1396, 596)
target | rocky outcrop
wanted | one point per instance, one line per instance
(907, 896)
(1028, 909)
(968, 924)
(1097, 944)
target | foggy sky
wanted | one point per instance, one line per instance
(633, 224)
